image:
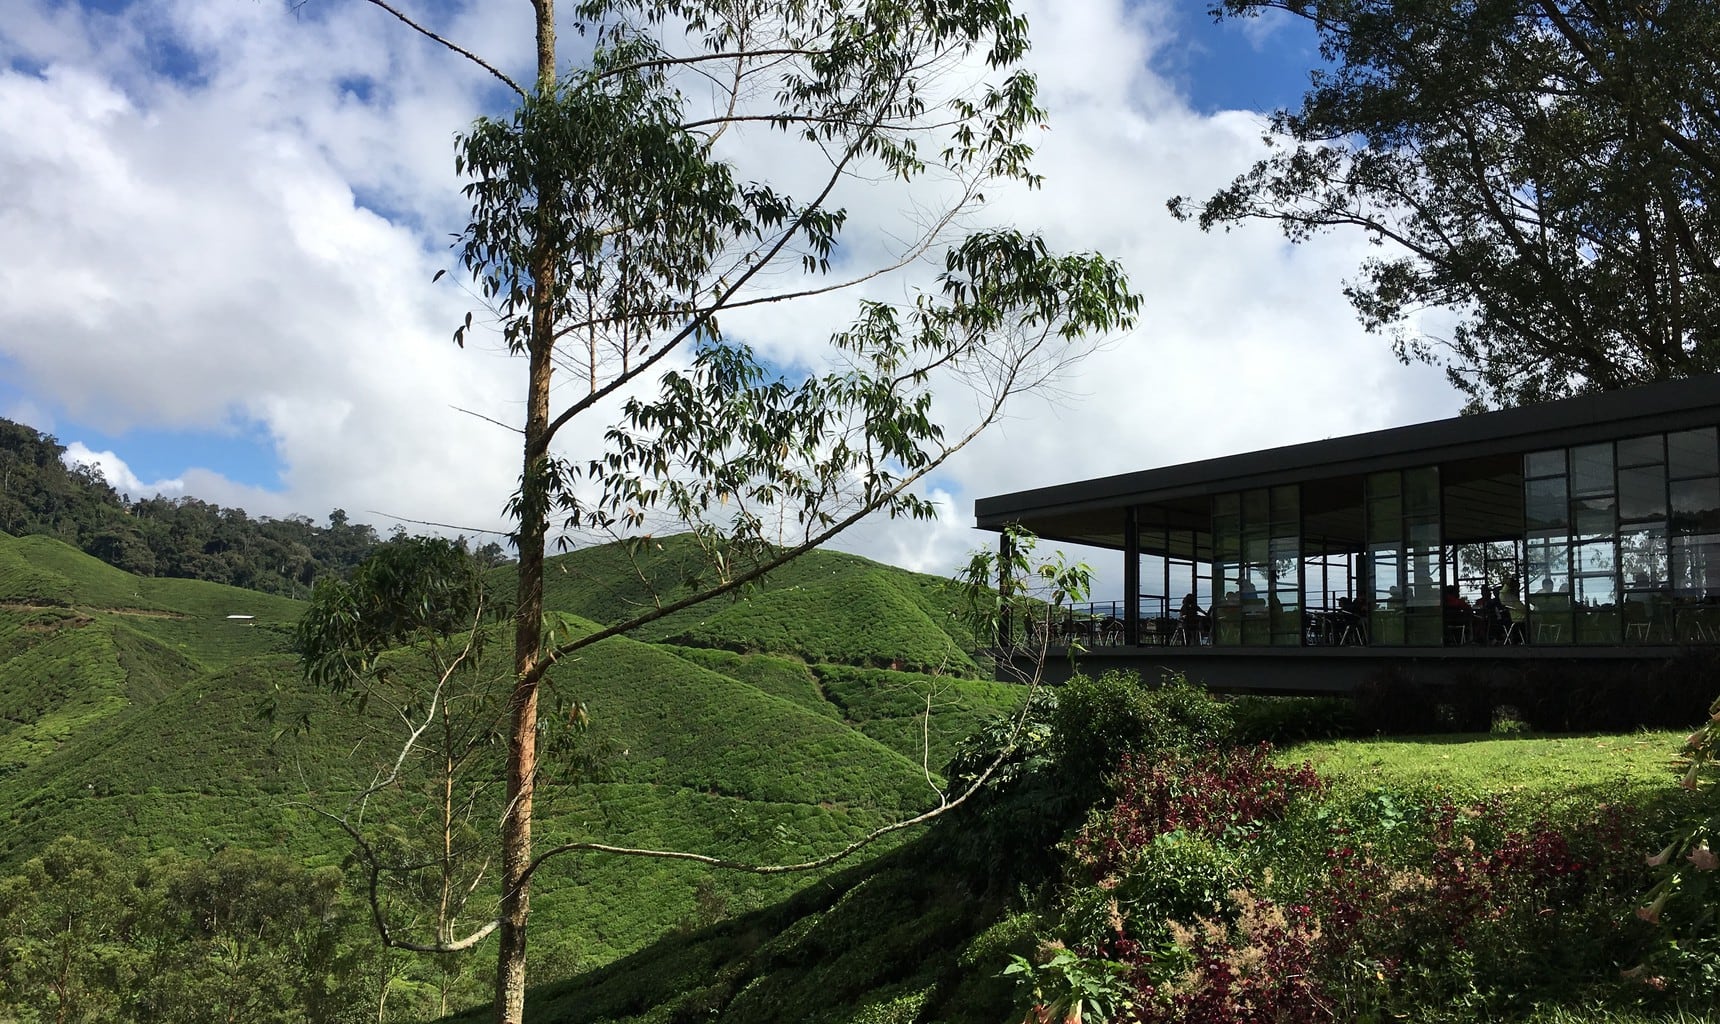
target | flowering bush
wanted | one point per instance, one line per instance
(1225, 793)
(1687, 869)
(1476, 909)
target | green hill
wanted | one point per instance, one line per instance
(81, 641)
(849, 609)
(130, 711)
(859, 618)
(183, 538)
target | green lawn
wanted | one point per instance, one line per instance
(1553, 773)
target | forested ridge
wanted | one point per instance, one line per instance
(184, 537)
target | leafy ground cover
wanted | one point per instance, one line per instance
(1435, 878)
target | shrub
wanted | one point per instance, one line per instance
(1281, 721)
(1464, 911)
(1391, 702)
(1219, 793)
(1007, 832)
(1098, 721)
(1687, 870)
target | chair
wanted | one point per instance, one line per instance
(1554, 604)
(1457, 622)
(1694, 624)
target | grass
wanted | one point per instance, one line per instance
(1549, 773)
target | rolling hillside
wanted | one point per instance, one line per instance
(81, 641)
(130, 710)
(823, 606)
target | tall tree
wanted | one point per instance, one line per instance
(1545, 168)
(609, 234)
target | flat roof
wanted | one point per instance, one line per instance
(1650, 408)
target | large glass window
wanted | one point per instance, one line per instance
(1634, 556)
(1257, 568)
(1691, 453)
(1547, 583)
(1693, 534)
(1404, 557)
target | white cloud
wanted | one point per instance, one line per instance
(256, 243)
(119, 475)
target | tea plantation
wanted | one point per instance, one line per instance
(167, 781)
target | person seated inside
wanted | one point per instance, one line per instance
(1191, 619)
(1350, 615)
(1486, 615)
(1458, 615)
(1513, 612)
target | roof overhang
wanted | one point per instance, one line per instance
(1089, 511)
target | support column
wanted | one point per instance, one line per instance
(1005, 590)
(1131, 578)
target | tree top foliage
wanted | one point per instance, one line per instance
(1544, 168)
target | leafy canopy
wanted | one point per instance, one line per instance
(1544, 168)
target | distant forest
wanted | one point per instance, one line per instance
(178, 537)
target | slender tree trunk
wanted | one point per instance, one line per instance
(522, 733)
(528, 615)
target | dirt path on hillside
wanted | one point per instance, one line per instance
(142, 613)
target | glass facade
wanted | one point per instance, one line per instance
(1624, 540)
(1402, 565)
(1257, 567)
(1616, 542)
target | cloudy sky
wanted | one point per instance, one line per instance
(222, 220)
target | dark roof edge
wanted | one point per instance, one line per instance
(1311, 460)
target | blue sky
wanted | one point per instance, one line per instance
(233, 245)
(1248, 64)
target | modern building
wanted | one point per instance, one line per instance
(1590, 527)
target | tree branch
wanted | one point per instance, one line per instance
(457, 48)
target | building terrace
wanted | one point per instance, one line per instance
(1583, 530)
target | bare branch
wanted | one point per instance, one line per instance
(490, 419)
(461, 50)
